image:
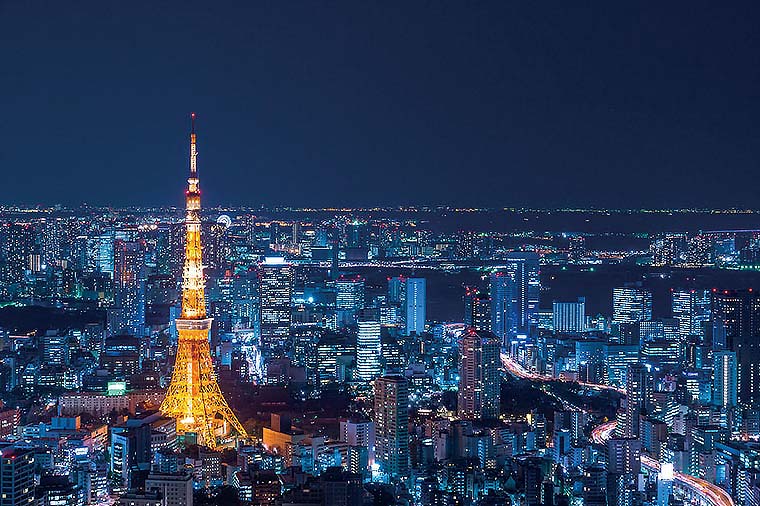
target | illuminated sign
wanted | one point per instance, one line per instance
(117, 387)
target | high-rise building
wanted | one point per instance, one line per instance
(639, 389)
(479, 379)
(16, 476)
(130, 448)
(725, 376)
(359, 433)
(349, 293)
(477, 309)
(56, 349)
(665, 484)
(692, 309)
(391, 425)
(175, 489)
(416, 305)
(194, 398)
(16, 246)
(368, 350)
(595, 485)
(349, 298)
(739, 310)
(502, 312)
(515, 290)
(276, 292)
(129, 277)
(631, 305)
(569, 316)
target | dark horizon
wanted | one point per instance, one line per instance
(310, 104)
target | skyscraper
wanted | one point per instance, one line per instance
(631, 305)
(416, 304)
(569, 316)
(639, 389)
(515, 290)
(276, 292)
(129, 279)
(477, 309)
(595, 485)
(739, 310)
(391, 425)
(502, 312)
(479, 379)
(193, 397)
(368, 350)
(16, 246)
(349, 293)
(725, 376)
(16, 476)
(349, 298)
(691, 308)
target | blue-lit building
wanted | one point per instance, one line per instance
(515, 290)
(416, 305)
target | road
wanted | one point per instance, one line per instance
(713, 494)
(518, 370)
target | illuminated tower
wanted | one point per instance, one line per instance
(194, 398)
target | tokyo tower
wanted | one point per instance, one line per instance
(194, 398)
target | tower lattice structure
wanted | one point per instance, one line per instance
(194, 398)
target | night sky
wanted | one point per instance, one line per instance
(503, 103)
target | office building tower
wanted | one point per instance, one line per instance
(639, 390)
(631, 305)
(569, 316)
(617, 359)
(595, 485)
(276, 287)
(739, 311)
(397, 290)
(691, 308)
(416, 305)
(391, 425)
(665, 484)
(515, 290)
(56, 349)
(57, 491)
(368, 350)
(479, 379)
(502, 312)
(477, 309)
(335, 354)
(349, 298)
(16, 476)
(624, 455)
(130, 447)
(17, 243)
(349, 293)
(359, 433)
(175, 489)
(725, 376)
(129, 283)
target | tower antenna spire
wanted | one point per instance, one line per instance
(193, 148)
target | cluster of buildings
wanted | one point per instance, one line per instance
(689, 381)
(318, 312)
